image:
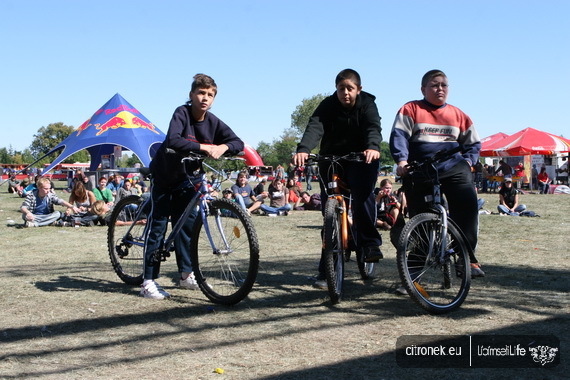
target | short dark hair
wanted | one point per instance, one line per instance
(430, 75)
(349, 74)
(203, 81)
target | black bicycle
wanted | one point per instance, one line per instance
(433, 253)
(224, 248)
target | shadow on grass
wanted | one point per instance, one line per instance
(384, 366)
(286, 283)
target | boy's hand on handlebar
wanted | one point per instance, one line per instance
(214, 151)
(300, 158)
(402, 169)
(371, 155)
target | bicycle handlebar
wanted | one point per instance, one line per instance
(439, 156)
(196, 156)
(351, 157)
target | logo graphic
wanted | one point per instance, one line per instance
(543, 354)
(83, 127)
(124, 119)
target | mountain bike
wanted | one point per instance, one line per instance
(337, 232)
(433, 253)
(224, 248)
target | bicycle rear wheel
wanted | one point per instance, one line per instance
(333, 250)
(226, 275)
(438, 285)
(125, 238)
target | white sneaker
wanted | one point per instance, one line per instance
(154, 291)
(401, 291)
(321, 284)
(189, 282)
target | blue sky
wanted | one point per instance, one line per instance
(507, 61)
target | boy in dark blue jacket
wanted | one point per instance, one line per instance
(192, 129)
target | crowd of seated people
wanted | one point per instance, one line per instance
(87, 206)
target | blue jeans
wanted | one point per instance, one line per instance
(504, 210)
(241, 201)
(169, 202)
(44, 220)
(275, 210)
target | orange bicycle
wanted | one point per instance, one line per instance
(337, 234)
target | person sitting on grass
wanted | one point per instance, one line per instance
(244, 195)
(278, 200)
(308, 202)
(37, 209)
(509, 199)
(115, 183)
(260, 187)
(126, 190)
(82, 199)
(388, 206)
(13, 184)
(102, 193)
(543, 181)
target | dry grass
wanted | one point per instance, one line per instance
(65, 314)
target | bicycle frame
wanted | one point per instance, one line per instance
(200, 200)
(436, 203)
(333, 185)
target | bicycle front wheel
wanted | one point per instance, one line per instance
(366, 269)
(333, 250)
(125, 238)
(438, 283)
(227, 267)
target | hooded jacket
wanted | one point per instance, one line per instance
(342, 131)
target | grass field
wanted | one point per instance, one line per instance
(65, 314)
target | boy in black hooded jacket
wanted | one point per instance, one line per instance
(345, 122)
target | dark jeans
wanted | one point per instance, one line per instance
(459, 190)
(169, 202)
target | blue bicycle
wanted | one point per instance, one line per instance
(224, 247)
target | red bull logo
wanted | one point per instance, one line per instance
(83, 127)
(143, 124)
(124, 119)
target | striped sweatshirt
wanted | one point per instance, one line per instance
(422, 129)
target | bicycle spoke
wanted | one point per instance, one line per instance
(227, 271)
(125, 239)
(438, 284)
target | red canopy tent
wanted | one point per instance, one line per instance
(527, 142)
(493, 139)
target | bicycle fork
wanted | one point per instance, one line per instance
(435, 199)
(343, 211)
(204, 210)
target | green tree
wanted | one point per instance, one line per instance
(279, 152)
(385, 156)
(5, 157)
(300, 117)
(48, 138)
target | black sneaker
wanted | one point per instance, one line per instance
(372, 254)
